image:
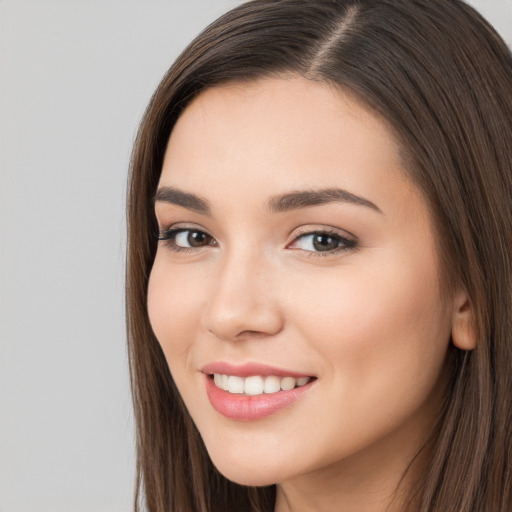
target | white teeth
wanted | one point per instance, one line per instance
(235, 384)
(256, 384)
(302, 381)
(272, 384)
(253, 385)
(221, 381)
(287, 383)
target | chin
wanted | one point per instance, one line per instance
(248, 471)
(253, 477)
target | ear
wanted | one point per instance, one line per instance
(463, 330)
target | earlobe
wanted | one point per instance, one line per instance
(463, 330)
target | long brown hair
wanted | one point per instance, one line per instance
(442, 78)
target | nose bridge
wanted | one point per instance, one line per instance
(242, 300)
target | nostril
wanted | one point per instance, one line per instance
(241, 320)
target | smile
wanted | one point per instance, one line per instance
(245, 398)
(255, 385)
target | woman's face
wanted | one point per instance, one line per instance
(297, 255)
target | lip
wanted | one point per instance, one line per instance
(249, 369)
(245, 407)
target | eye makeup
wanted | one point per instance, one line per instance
(316, 242)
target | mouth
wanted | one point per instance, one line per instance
(253, 391)
(256, 385)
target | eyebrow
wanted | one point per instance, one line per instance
(187, 200)
(307, 198)
(278, 204)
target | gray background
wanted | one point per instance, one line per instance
(75, 77)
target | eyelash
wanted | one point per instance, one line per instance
(168, 237)
(344, 242)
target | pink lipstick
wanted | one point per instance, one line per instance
(253, 391)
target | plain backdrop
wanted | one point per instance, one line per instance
(75, 77)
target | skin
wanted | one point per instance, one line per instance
(369, 321)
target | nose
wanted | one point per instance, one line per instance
(243, 301)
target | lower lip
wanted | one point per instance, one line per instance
(250, 408)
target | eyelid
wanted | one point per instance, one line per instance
(321, 228)
(180, 226)
(167, 236)
(348, 240)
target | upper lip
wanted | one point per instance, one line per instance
(248, 369)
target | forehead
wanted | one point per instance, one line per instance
(289, 127)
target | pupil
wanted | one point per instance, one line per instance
(325, 243)
(197, 239)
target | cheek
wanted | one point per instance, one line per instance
(381, 339)
(173, 308)
(378, 325)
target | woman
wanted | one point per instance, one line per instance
(319, 274)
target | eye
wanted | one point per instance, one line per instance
(189, 238)
(322, 242)
(186, 238)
